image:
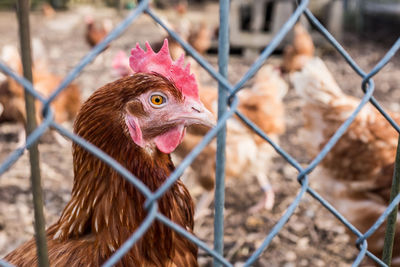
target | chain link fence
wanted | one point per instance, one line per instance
(228, 102)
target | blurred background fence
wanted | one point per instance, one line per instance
(272, 43)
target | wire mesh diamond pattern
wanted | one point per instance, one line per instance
(151, 203)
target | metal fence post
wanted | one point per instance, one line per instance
(223, 115)
(223, 57)
(392, 218)
(24, 33)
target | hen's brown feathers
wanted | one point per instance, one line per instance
(105, 209)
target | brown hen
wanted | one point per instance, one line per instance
(138, 120)
(96, 31)
(65, 106)
(296, 55)
(356, 174)
(200, 37)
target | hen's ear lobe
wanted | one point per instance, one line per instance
(134, 130)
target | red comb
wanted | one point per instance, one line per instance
(161, 63)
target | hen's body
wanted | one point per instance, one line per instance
(104, 209)
(356, 174)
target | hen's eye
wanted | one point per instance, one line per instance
(158, 100)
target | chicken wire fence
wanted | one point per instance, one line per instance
(228, 103)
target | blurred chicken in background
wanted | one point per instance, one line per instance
(296, 55)
(181, 25)
(197, 34)
(247, 155)
(65, 106)
(200, 37)
(356, 175)
(97, 30)
(120, 64)
(48, 11)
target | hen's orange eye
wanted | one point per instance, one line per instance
(157, 100)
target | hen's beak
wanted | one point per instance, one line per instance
(198, 114)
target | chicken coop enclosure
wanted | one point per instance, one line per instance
(228, 107)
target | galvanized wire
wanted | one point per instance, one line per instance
(219, 191)
(367, 86)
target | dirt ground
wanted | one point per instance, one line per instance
(312, 237)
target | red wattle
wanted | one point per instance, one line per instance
(168, 141)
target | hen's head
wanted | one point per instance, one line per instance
(160, 114)
(170, 103)
(153, 106)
